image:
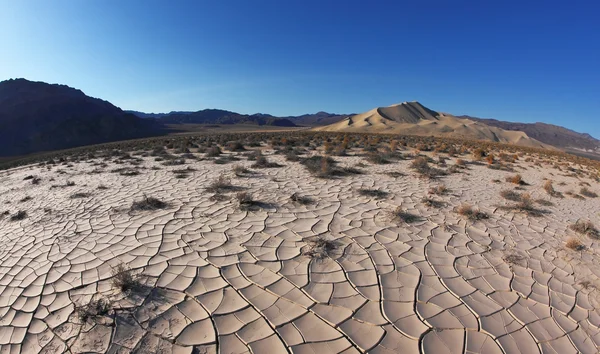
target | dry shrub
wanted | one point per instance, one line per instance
(460, 162)
(374, 193)
(213, 151)
(587, 193)
(470, 213)
(219, 184)
(432, 202)
(263, 162)
(320, 248)
(124, 279)
(585, 228)
(93, 310)
(240, 170)
(245, 200)
(516, 179)
(296, 198)
(421, 166)
(510, 194)
(574, 244)
(149, 203)
(20, 215)
(439, 190)
(400, 214)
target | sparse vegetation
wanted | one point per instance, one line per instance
(400, 214)
(439, 190)
(148, 203)
(240, 170)
(470, 213)
(20, 215)
(585, 228)
(373, 193)
(296, 198)
(511, 195)
(432, 202)
(320, 248)
(575, 244)
(219, 184)
(421, 166)
(587, 193)
(124, 279)
(93, 310)
(516, 179)
(262, 162)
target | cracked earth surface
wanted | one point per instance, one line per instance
(219, 279)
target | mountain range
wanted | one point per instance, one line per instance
(36, 116)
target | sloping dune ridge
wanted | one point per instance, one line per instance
(412, 118)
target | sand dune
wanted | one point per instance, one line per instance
(412, 118)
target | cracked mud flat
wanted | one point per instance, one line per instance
(216, 279)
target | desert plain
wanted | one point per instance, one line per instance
(217, 250)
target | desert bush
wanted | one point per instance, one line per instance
(20, 215)
(400, 214)
(549, 188)
(421, 166)
(245, 200)
(235, 146)
(516, 179)
(219, 184)
(460, 162)
(585, 228)
(213, 151)
(296, 198)
(511, 195)
(292, 157)
(575, 244)
(470, 213)
(395, 174)
(124, 279)
(240, 170)
(373, 193)
(377, 158)
(148, 203)
(80, 195)
(439, 190)
(262, 162)
(93, 310)
(432, 202)
(587, 193)
(320, 248)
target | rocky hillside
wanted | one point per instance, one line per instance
(36, 116)
(547, 133)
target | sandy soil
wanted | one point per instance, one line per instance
(215, 278)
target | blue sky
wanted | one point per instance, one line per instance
(513, 61)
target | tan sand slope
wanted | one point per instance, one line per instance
(412, 118)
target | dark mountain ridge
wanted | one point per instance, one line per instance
(36, 116)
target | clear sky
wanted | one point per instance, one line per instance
(516, 61)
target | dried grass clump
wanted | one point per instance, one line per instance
(296, 198)
(432, 202)
(240, 170)
(93, 310)
(245, 200)
(148, 203)
(213, 151)
(377, 158)
(510, 194)
(262, 162)
(373, 193)
(124, 279)
(516, 179)
(585, 228)
(400, 214)
(20, 215)
(439, 190)
(587, 193)
(470, 213)
(513, 258)
(575, 244)
(219, 184)
(320, 248)
(80, 195)
(421, 166)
